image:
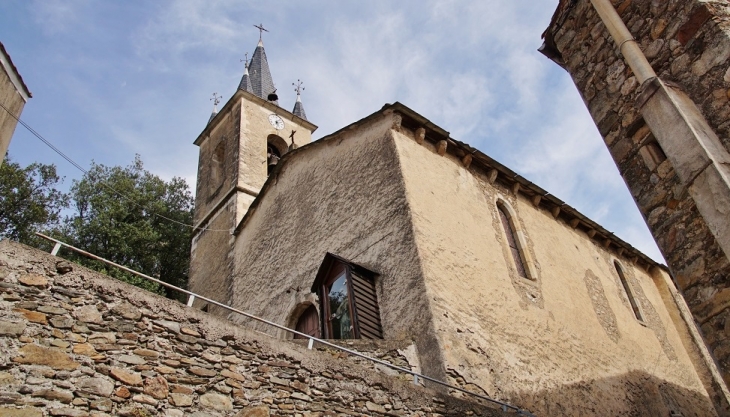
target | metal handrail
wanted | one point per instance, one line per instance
(312, 339)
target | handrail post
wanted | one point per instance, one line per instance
(55, 249)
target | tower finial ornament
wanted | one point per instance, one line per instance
(215, 99)
(261, 29)
(298, 106)
(244, 60)
(298, 87)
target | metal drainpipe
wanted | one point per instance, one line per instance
(626, 43)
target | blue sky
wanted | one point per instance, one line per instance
(111, 79)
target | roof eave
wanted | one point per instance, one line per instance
(459, 149)
(549, 48)
(12, 71)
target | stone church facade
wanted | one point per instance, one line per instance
(391, 229)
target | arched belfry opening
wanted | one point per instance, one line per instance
(276, 147)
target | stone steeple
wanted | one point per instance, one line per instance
(259, 74)
(299, 108)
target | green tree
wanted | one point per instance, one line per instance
(133, 218)
(29, 201)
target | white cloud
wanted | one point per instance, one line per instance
(57, 16)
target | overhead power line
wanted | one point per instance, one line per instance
(85, 171)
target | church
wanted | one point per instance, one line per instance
(390, 229)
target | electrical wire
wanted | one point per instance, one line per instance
(85, 171)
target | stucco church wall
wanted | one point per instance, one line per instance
(76, 343)
(311, 207)
(688, 43)
(570, 331)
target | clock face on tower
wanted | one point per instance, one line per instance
(276, 121)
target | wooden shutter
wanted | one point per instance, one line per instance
(367, 313)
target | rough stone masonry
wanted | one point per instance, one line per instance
(76, 343)
(688, 45)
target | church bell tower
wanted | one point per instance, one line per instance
(239, 147)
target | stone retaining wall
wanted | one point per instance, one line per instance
(76, 343)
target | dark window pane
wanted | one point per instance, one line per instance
(340, 318)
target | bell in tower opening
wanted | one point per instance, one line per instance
(276, 147)
(272, 158)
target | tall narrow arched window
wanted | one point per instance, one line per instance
(513, 241)
(627, 290)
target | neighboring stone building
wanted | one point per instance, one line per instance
(391, 229)
(669, 137)
(13, 96)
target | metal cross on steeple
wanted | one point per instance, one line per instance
(298, 86)
(245, 60)
(215, 99)
(261, 29)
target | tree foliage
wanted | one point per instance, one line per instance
(29, 201)
(124, 214)
(134, 218)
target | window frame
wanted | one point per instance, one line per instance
(337, 271)
(332, 268)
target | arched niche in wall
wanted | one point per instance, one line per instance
(308, 323)
(304, 319)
